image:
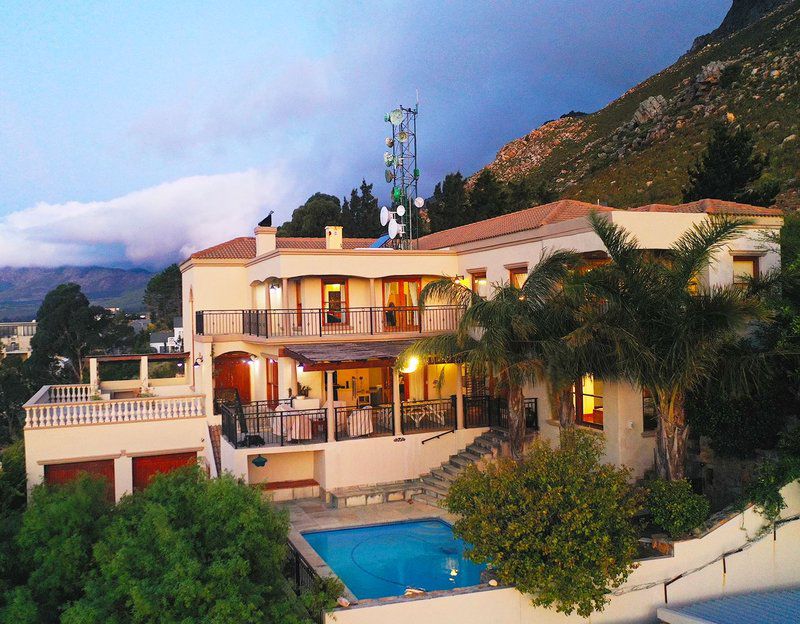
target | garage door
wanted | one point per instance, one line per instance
(145, 467)
(63, 473)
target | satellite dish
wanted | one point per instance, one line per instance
(389, 141)
(388, 175)
(385, 216)
(400, 210)
(388, 158)
(402, 136)
(393, 229)
(396, 117)
(419, 202)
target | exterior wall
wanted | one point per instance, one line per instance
(120, 441)
(349, 463)
(764, 564)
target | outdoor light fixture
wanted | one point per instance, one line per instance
(411, 365)
(260, 461)
(198, 362)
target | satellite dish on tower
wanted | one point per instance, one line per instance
(389, 142)
(402, 136)
(400, 210)
(419, 202)
(388, 159)
(396, 117)
(394, 229)
(389, 175)
(385, 215)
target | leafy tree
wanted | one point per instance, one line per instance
(66, 327)
(558, 525)
(499, 336)
(360, 213)
(12, 504)
(190, 549)
(668, 336)
(449, 206)
(728, 168)
(527, 193)
(15, 390)
(675, 507)
(488, 197)
(162, 297)
(55, 541)
(311, 218)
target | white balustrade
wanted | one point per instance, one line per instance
(41, 411)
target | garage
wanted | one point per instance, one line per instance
(66, 472)
(144, 468)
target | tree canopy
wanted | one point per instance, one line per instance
(558, 525)
(311, 218)
(729, 168)
(162, 297)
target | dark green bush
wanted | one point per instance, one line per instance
(675, 507)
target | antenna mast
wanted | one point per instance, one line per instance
(402, 173)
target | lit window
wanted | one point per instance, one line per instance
(745, 268)
(517, 276)
(334, 300)
(589, 402)
(480, 285)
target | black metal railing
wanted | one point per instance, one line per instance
(486, 411)
(419, 416)
(328, 321)
(260, 424)
(364, 422)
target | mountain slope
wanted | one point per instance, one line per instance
(23, 288)
(637, 149)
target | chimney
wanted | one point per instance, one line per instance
(265, 239)
(333, 237)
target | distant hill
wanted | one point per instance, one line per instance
(22, 289)
(637, 149)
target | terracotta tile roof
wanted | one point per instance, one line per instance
(528, 219)
(713, 206)
(239, 248)
(244, 247)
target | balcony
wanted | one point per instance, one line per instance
(319, 322)
(79, 404)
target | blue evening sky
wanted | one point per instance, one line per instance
(134, 133)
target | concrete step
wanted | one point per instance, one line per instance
(484, 445)
(478, 451)
(432, 480)
(457, 460)
(443, 475)
(440, 491)
(450, 469)
(427, 499)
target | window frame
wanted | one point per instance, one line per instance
(752, 260)
(344, 311)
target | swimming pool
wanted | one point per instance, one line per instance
(386, 559)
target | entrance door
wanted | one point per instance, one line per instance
(63, 473)
(272, 382)
(232, 370)
(400, 301)
(145, 468)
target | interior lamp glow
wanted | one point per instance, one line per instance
(411, 365)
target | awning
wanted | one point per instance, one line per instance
(338, 355)
(775, 607)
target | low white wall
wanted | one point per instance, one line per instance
(118, 441)
(357, 462)
(763, 564)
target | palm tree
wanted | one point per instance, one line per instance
(502, 336)
(668, 333)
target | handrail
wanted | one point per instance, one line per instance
(439, 435)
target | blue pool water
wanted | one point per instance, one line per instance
(386, 559)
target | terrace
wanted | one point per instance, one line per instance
(319, 322)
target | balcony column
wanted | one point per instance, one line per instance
(371, 292)
(94, 377)
(396, 403)
(143, 373)
(329, 406)
(285, 293)
(459, 397)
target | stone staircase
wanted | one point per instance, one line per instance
(436, 484)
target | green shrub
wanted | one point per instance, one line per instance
(558, 524)
(675, 507)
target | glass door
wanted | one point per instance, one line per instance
(400, 303)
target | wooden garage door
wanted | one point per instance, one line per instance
(63, 473)
(145, 467)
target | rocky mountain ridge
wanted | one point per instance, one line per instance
(638, 148)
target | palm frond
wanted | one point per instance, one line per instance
(694, 248)
(446, 290)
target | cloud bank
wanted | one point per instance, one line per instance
(150, 227)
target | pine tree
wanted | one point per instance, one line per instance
(449, 206)
(728, 168)
(488, 197)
